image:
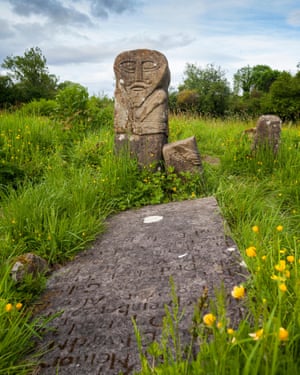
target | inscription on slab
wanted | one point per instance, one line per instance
(126, 275)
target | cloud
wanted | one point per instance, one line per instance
(52, 9)
(72, 12)
(6, 31)
(294, 18)
(102, 8)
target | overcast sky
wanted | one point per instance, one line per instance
(81, 38)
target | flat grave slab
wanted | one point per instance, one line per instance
(125, 274)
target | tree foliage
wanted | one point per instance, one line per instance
(30, 75)
(211, 87)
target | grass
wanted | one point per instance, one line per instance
(58, 185)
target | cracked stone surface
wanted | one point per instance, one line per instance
(125, 275)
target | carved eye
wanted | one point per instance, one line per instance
(149, 65)
(128, 66)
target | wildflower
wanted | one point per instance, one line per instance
(8, 307)
(264, 257)
(209, 319)
(230, 331)
(19, 305)
(277, 278)
(238, 292)
(251, 252)
(257, 335)
(290, 258)
(287, 274)
(279, 228)
(255, 229)
(174, 188)
(282, 251)
(219, 325)
(283, 334)
(283, 287)
(280, 267)
(193, 195)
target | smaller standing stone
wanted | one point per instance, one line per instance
(26, 264)
(183, 156)
(267, 134)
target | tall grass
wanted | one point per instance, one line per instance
(58, 185)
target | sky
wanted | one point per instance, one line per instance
(81, 38)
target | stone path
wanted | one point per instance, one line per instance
(126, 274)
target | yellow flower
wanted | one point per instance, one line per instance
(8, 307)
(283, 334)
(277, 278)
(279, 228)
(174, 188)
(251, 252)
(257, 335)
(287, 274)
(280, 267)
(219, 325)
(238, 292)
(19, 305)
(290, 258)
(264, 257)
(209, 319)
(230, 331)
(283, 287)
(255, 229)
(193, 195)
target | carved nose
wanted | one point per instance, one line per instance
(139, 72)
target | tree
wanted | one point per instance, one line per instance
(285, 96)
(243, 80)
(7, 94)
(258, 78)
(30, 75)
(211, 87)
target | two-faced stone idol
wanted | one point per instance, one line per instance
(141, 104)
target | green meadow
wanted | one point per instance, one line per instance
(58, 183)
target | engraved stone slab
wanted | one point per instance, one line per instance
(126, 274)
(183, 156)
(141, 104)
(267, 132)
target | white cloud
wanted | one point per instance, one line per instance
(81, 38)
(294, 18)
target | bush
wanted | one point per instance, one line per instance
(42, 107)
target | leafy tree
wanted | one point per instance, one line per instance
(263, 77)
(285, 96)
(30, 75)
(258, 78)
(188, 100)
(211, 87)
(7, 95)
(243, 80)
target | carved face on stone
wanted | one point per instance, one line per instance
(140, 72)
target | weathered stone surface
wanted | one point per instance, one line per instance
(267, 132)
(28, 264)
(141, 103)
(126, 274)
(183, 156)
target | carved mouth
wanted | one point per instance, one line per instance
(138, 86)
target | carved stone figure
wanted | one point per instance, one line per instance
(183, 156)
(267, 133)
(141, 104)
